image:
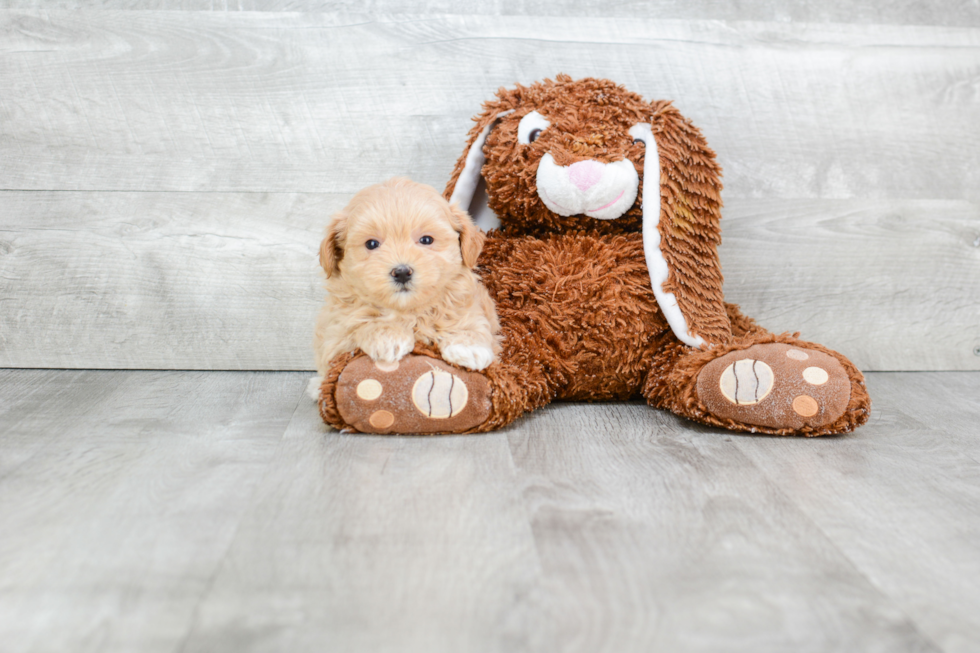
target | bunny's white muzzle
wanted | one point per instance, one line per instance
(604, 191)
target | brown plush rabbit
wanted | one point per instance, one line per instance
(603, 292)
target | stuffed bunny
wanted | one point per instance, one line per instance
(604, 292)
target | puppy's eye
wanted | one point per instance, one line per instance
(372, 244)
(426, 240)
(530, 127)
(639, 140)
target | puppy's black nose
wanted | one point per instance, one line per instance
(402, 274)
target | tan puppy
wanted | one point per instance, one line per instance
(399, 262)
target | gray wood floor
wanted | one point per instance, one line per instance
(212, 512)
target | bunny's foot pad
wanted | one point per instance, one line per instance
(418, 394)
(775, 385)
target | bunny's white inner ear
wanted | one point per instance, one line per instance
(479, 209)
(470, 192)
(656, 263)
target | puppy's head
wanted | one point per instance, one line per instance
(398, 244)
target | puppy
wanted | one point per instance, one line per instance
(399, 262)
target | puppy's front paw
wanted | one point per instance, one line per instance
(388, 348)
(474, 357)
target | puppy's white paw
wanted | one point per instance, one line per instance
(389, 349)
(474, 357)
(313, 388)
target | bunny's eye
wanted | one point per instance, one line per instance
(641, 133)
(426, 240)
(372, 244)
(530, 127)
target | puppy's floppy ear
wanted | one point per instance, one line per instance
(332, 247)
(470, 237)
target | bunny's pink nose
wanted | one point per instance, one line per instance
(585, 174)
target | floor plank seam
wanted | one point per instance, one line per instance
(888, 599)
(519, 478)
(43, 448)
(205, 594)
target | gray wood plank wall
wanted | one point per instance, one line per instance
(166, 174)
(954, 13)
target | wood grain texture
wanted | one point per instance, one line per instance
(363, 543)
(119, 495)
(224, 106)
(656, 534)
(259, 101)
(955, 13)
(160, 280)
(900, 497)
(31, 409)
(212, 511)
(895, 285)
(230, 280)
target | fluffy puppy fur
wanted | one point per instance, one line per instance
(386, 228)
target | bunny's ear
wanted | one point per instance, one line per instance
(681, 230)
(466, 187)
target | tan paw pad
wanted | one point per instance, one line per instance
(439, 394)
(369, 389)
(815, 375)
(381, 419)
(746, 382)
(387, 367)
(805, 406)
(797, 354)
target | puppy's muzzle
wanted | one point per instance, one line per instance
(402, 274)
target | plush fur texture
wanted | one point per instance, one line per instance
(404, 225)
(591, 120)
(578, 314)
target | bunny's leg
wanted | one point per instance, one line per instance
(422, 394)
(760, 382)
